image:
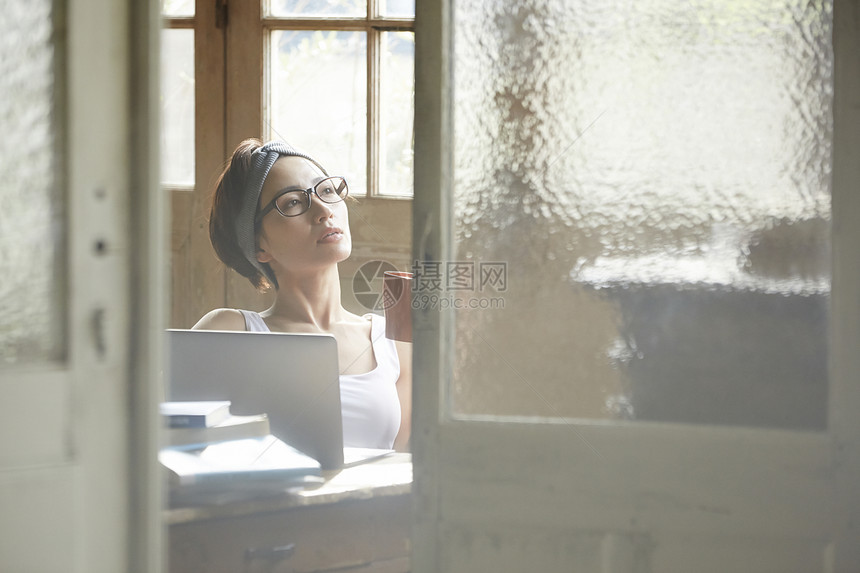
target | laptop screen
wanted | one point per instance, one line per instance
(293, 378)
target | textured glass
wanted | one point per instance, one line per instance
(655, 179)
(306, 8)
(319, 99)
(177, 8)
(397, 107)
(399, 8)
(32, 229)
(177, 107)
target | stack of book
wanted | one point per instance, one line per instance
(190, 423)
(213, 455)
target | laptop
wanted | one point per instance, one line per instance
(293, 378)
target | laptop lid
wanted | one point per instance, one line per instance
(291, 377)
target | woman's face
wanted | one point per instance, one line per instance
(319, 237)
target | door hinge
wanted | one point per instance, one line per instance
(220, 14)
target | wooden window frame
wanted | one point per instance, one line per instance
(373, 24)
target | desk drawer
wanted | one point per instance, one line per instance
(356, 536)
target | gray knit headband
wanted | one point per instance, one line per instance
(262, 160)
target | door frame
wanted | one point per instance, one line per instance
(628, 477)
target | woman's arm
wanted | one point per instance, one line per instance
(404, 393)
(221, 319)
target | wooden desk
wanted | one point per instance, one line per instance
(358, 521)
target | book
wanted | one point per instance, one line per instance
(264, 462)
(195, 414)
(233, 428)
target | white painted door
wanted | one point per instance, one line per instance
(645, 216)
(80, 265)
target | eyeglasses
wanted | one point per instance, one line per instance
(295, 202)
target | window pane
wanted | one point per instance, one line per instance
(655, 177)
(177, 107)
(319, 99)
(399, 8)
(177, 7)
(397, 109)
(305, 8)
(32, 203)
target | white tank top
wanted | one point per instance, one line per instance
(369, 402)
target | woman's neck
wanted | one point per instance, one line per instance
(311, 299)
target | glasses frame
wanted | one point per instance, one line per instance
(273, 204)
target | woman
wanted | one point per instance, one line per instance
(279, 220)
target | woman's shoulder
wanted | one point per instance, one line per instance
(221, 319)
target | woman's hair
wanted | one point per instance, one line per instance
(230, 189)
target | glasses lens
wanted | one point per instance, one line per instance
(332, 190)
(292, 203)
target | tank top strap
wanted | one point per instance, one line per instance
(384, 349)
(253, 321)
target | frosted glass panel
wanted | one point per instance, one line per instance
(32, 230)
(319, 99)
(654, 180)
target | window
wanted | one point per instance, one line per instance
(340, 86)
(334, 79)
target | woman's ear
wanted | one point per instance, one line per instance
(263, 255)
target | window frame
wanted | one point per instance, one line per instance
(373, 24)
